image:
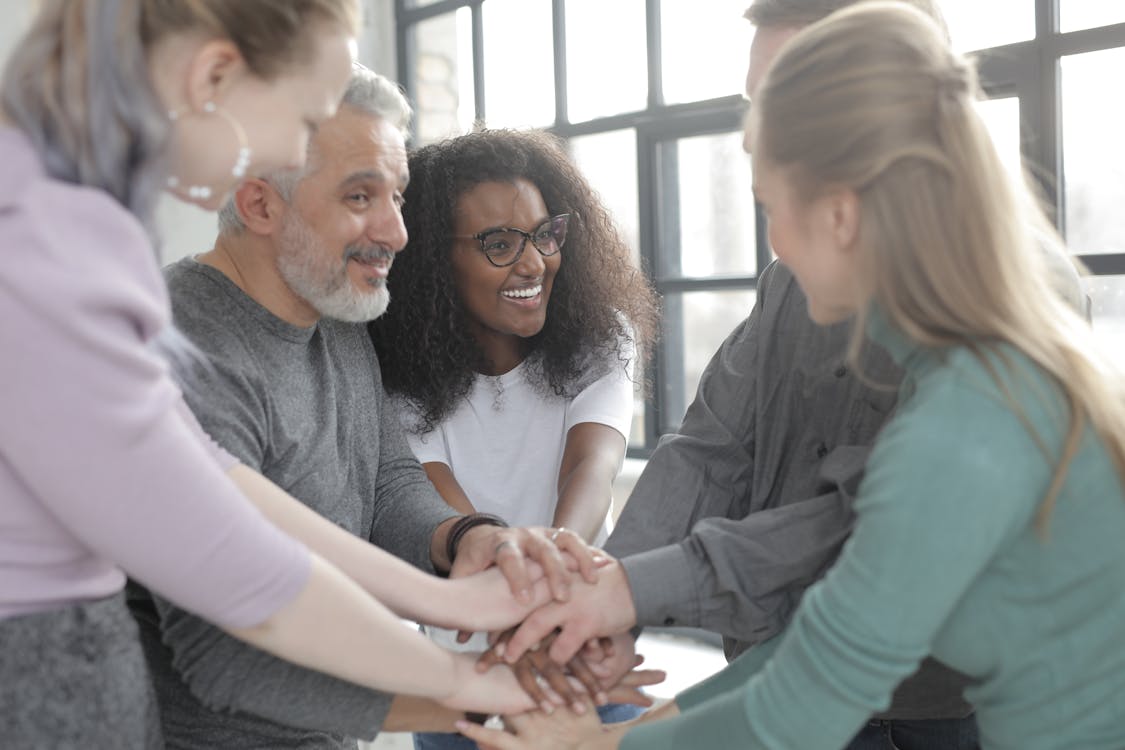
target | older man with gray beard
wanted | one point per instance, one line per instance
(291, 386)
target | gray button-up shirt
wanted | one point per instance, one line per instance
(748, 504)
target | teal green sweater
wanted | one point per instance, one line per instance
(945, 559)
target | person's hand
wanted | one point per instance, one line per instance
(604, 608)
(548, 682)
(493, 692)
(600, 666)
(561, 730)
(483, 602)
(511, 549)
(610, 659)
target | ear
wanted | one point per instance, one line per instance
(844, 208)
(213, 70)
(260, 206)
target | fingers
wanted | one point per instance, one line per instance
(547, 554)
(510, 560)
(569, 641)
(488, 660)
(588, 679)
(583, 554)
(560, 685)
(535, 628)
(492, 737)
(642, 677)
(528, 678)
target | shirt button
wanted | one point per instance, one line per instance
(669, 621)
(841, 371)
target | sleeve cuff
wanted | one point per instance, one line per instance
(665, 593)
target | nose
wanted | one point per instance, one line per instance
(385, 226)
(531, 262)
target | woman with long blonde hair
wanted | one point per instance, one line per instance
(990, 519)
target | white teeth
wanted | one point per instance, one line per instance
(523, 293)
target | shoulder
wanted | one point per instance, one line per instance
(78, 252)
(974, 409)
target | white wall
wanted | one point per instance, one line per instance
(186, 229)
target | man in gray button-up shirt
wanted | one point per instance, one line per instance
(749, 503)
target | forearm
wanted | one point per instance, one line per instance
(412, 714)
(334, 627)
(396, 584)
(584, 498)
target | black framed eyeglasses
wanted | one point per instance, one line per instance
(504, 246)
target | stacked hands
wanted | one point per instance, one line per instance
(558, 612)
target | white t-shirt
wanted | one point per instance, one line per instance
(504, 443)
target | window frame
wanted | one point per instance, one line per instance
(1030, 70)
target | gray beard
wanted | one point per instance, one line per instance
(306, 267)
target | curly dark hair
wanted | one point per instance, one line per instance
(599, 300)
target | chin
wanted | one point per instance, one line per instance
(826, 316)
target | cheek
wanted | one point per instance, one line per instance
(551, 266)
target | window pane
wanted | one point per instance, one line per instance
(609, 162)
(443, 69)
(1107, 303)
(1002, 117)
(1086, 14)
(637, 428)
(705, 46)
(1093, 153)
(695, 324)
(716, 201)
(519, 63)
(420, 3)
(619, 29)
(975, 25)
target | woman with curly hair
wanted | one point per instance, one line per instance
(513, 342)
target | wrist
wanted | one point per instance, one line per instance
(464, 525)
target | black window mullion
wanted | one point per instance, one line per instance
(654, 45)
(1045, 112)
(558, 12)
(405, 54)
(478, 62)
(647, 211)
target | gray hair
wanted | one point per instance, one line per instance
(367, 92)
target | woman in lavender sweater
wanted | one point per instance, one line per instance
(103, 471)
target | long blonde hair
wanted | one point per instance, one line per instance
(873, 99)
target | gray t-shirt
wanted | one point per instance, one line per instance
(305, 407)
(749, 502)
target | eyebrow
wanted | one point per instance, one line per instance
(371, 175)
(499, 227)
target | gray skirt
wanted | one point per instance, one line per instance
(76, 678)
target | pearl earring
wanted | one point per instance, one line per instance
(241, 161)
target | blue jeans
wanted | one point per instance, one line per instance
(611, 714)
(930, 734)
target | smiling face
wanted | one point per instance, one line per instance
(344, 224)
(505, 305)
